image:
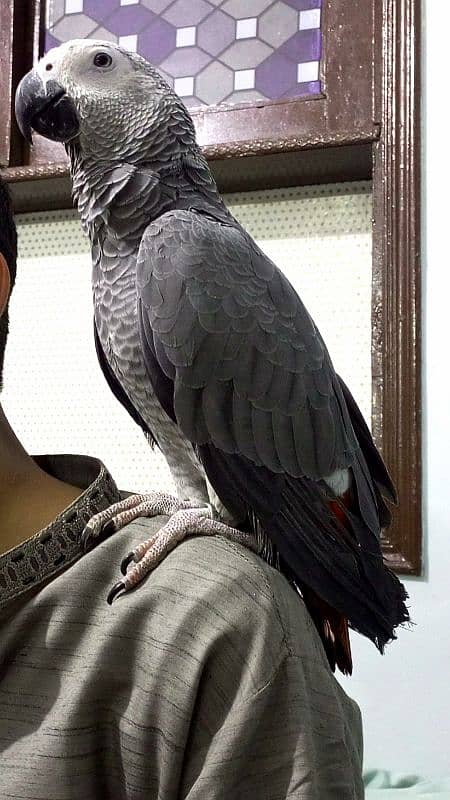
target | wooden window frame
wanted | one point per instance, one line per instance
(364, 124)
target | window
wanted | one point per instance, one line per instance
(341, 104)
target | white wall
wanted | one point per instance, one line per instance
(405, 696)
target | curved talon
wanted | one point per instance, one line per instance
(89, 533)
(125, 562)
(116, 589)
(109, 527)
(85, 539)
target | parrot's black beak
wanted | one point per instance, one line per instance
(46, 109)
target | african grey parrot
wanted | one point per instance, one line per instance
(208, 346)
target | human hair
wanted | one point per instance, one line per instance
(8, 248)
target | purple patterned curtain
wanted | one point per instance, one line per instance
(210, 51)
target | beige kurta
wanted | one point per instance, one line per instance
(208, 681)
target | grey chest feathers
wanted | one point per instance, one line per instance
(115, 314)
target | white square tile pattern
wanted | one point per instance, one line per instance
(202, 38)
(309, 19)
(74, 6)
(244, 79)
(184, 86)
(246, 28)
(129, 42)
(308, 71)
(185, 36)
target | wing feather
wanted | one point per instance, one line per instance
(230, 323)
(253, 387)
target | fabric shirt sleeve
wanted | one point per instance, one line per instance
(294, 738)
(265, 717)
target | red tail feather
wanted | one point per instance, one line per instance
(332, 626)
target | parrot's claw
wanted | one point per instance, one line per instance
(126, 562)
(116, 589)
(184, 522)
(120, 514)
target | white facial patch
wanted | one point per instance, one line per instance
(51, 65)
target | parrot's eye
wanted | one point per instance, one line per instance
(102, 60)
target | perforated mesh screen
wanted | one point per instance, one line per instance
(55, 395)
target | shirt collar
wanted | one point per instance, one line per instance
(58, 545)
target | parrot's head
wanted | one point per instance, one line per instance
(107, 102)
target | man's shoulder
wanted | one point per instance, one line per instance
(210, 607)
(229, 590)
(205, 564)
(210, 571)
(207, 588)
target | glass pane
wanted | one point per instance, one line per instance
(217, 52)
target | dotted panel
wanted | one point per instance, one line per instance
(321, 238)
(212, 53)
(55, 394)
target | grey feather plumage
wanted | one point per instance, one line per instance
(234, 327)
(213, 352)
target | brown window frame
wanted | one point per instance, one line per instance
(364, 124)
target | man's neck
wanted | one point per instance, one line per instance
(30, 498)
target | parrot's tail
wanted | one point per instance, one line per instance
(331, 625)
(321, 544)
(333, 630)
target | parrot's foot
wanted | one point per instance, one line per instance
(120, 514)
(184, 522)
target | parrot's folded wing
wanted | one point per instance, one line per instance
(235, 358)
(249, 369)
